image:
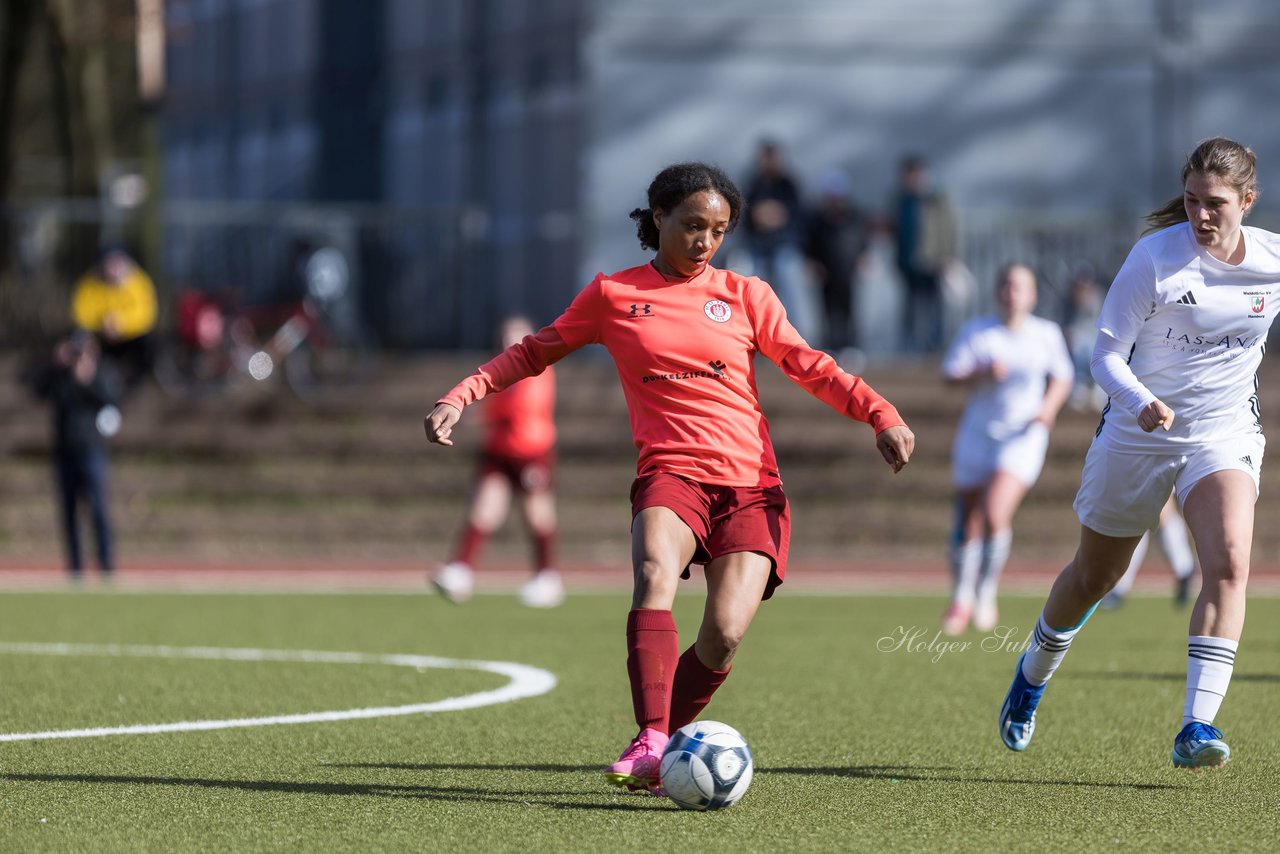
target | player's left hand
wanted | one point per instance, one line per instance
(896, 444)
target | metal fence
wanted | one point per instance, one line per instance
(405, 268)
(426, 278)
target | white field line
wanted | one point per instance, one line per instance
(863, 590)
(525, 681)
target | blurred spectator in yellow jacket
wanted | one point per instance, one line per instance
(116, 301)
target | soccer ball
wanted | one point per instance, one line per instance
(706, 766)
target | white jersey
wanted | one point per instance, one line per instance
(1032, 354)
(1198, 329)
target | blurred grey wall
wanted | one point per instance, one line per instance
(1075, 110)
(477, 157)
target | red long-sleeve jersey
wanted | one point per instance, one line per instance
(685, 353)
(520, 422)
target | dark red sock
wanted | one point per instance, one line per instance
(694, 684)
(652, 651)
(544, 547)
(469, 543)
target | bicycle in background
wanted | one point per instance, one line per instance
(219, 345)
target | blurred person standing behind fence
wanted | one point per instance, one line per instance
(1018, 375)
(116, 301)
(519, 456)
(1080, 326)
(926, 242)
(774, 227)
(836, 241)
(82, 389)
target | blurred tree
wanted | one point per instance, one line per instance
(77, 99)
(16, 22)
(70, 112)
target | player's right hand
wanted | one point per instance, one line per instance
(1155, 414)
(439, 424)
(896, 444)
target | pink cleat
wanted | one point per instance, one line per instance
(956, 619)
(637, 767)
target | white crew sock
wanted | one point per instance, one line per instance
(965, 558)
(1210, 661)
(995, 554)
(1048, 647)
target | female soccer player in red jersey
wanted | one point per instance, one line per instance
(683, 336)
(518, 457)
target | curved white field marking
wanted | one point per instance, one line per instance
(525, 682)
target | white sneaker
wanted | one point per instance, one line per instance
(455, 582)
(544, 590)
(985, 614)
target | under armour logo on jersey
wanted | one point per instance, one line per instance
(1247, 460)
(1187, 299)
(645, 310)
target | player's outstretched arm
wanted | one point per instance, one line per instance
(439, 424)
(896, 445)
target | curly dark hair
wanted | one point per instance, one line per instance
(675, 184)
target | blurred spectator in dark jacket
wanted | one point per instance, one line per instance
(836, 240)
(83, 390)
(774, 226)
(927, 242)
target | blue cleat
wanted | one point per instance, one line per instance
(1018, 714)
(1200, 746)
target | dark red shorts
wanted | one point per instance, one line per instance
(526, 474)
(724, 519)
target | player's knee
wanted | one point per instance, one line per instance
(488, 516)
(1229, 574)
(1097, 582)
(718, 644)
(653, 576)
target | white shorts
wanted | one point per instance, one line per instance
(975, 457)
(1121, 494)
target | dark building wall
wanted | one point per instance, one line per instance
(447, 132)
(485, 118)
(347, 101)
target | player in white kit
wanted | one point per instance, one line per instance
(1019, 374)
(1180, 339)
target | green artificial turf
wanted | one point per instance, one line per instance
(859, 742)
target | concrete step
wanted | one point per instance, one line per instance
(262, 473)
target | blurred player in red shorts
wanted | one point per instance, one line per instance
(684, 337)
(518, 456)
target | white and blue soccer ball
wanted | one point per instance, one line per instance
(706, 766)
